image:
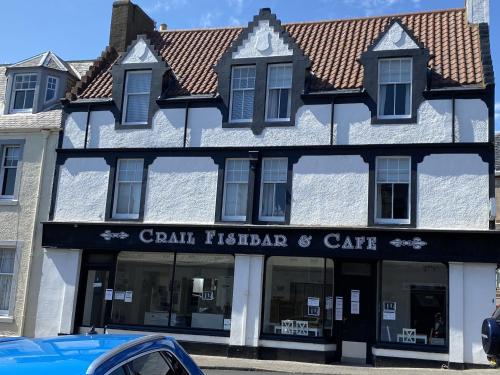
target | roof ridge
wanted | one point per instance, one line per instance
(448, 10)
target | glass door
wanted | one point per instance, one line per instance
(94, 306)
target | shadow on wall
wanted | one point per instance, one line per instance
(459, 166)
(80, 165)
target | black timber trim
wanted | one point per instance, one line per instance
(370, 60)
(487, 62)
(119, 72)
(300, 65)
(112, 161)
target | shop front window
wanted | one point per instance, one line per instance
(414, 303)
(298, 296)
(183, 290)
(142, 288)
(203, 291)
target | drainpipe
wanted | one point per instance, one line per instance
(186, 118)
(34, 238)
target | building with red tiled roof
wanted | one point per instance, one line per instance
(317, 191)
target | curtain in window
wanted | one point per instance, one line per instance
(138, 91)
(236, 188)
(278, 91)
(274, 178)
(129, 186)
(7, 257)
(243, 86)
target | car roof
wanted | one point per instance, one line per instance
(57, 355)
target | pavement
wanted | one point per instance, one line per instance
(238, 366)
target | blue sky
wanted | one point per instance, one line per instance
(76, 29)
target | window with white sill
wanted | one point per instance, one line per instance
(395, 85)
(51, 91)
(128, 189)
(7, 259)
(242, 93)
(273, 189)
(236, 175)
(8, 170)
(23, 92)
(136, 97)
(392, 190)
(279, 87)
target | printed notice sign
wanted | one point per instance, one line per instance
(108, 296)
(354, 301)
(339, 303)
(120, 295)
(329, 303)
(313, 301)
(389, 312)
(128, 296)
(354, 295)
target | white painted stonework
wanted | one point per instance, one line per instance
(74, 130)
(167, 131)
(140, 53)
(312, 127)
(263, 41)
(353, 125)
(478, 11)
(181, 190)
(57, 298)
(339, 179)
(82, 190)
(453, 192)
(471, 120)
(395, 39)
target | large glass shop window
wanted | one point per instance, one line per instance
(414, 303)
(203, 291)
(189, 290)
(298, 296)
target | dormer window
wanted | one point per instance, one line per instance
(136, 97)
(279, 85)
(395, 78)
(23, 92)
(242, 93)
(51, 92)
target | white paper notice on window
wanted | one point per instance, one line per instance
(313, 301)
(339, 302)
(128, 296)
(354, 308)
(329, 303)
(97, 285)
(120, 295)
(389, 310)
(227, 324)
(354, 295)
(108, 296)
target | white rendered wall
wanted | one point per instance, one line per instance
(456, 313)
(74, 130)
(312, 127)
(395, 39)
(247, 300)
(353, 125)
(82, 190)
(167, 131)
(471, 120)
(338, 179)
(58, 290)
(453, 192)
(181, 190)
(479, 304)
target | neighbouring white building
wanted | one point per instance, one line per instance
(317, 191)
(30, 124)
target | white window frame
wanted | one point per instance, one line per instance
(126, 94)
(231, 120)
(8, 315)
(234, 218)
(115, 190)
(388, 117)
(268, 119)
(392, 221)
(3, 149)
(14, 90)
(55, 90)
(270, 218)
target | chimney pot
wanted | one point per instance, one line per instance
(163, 27)
(478, 11)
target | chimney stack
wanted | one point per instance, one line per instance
(127, 21)
(478, 11)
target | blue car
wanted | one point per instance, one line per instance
(95, 355)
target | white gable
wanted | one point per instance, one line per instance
(140, 53)
(263, 41)
(394, 39)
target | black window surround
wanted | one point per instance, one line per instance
(420, 75)
(119, 73)
(300, 65)
(112, 161)
(254, 188)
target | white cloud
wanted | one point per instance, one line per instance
(165, 5)
(235, 21)
(497, 113)
(207, 19)
(371, 7)
(235, 6)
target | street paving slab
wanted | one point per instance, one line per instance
(238, 366)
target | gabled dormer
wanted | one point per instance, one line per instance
(36, 84)
(138, 77)
(263, 59)
(395, 75)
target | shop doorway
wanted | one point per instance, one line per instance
(95, 292)
(356, 286)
